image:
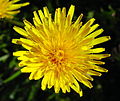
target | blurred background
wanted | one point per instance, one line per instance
(15, 86)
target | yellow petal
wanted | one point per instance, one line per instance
(17, 6)
(82, 80)
(28, 70)
(100, 69)
(32, 75)
(27, 42)
(92, 28)
(96, 50)
(46, 12)
(91, 72)
(14, 1)
(39, 74)
(20, 31)
(23, 58)
(16, 41)
(88, 24)
(75, 86)
(96, 33)
(27, 24)
(100, 40)
(42, 17)
(36, 17)
(19, 53)
(96, 62)
(57, 86)
(44, 81)
(71, 12)
(98, 56)
(13, 12)
(77, 22)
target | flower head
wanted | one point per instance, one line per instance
(8, 8)
(60, 51)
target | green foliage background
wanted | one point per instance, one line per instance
(15, 86)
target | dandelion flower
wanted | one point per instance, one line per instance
(60, 51)
(8, 8)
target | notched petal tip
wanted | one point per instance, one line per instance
(106, 55)
(15, 41)
(36, 78)
(15, 54)
(27, 23)
(31, 77)
(109, 55)
(81, 93)
(106, 70)
(15, 27)
(20, 64)
(92, 20)
(109, 38)
(43, 87)
(23, 69)
(72, 7)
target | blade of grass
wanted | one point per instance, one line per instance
(12, 77)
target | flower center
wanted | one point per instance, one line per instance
(57, 57)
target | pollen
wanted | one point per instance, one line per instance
(56, 57)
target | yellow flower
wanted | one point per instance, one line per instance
(60, 51)
(8, 8)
